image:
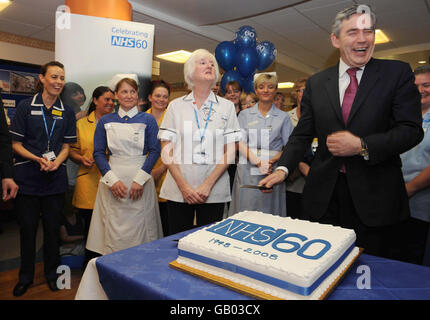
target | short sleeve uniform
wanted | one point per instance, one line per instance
(37, 127)
(265, 136)
(414, 161)
(199, 137)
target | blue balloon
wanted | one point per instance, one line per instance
(231, 75)
(246, 61)
(266, 54)
(225, 54)
(246, 36)
(248, 83)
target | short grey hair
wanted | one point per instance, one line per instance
(348, 12)
(422, 70)
(190, 66)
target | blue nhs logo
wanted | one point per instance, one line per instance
(279, 239)
(128, 42)
(246, 231)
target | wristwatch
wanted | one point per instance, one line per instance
(364, 152)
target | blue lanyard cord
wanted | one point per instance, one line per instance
(206, 124)
(49, 135)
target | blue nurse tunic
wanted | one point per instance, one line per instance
(266, 135)
(34, 125)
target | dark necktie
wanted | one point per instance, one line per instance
(348, 99)
(350, 92)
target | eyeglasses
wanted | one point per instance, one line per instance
(300, 90)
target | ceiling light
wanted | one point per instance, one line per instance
(4, 4)
(380, 37)
(422, 62)
(285, 85)
(180, 56)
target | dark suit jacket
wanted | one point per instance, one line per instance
(386, 113)
(6, 164)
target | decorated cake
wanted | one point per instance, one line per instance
(280, 257)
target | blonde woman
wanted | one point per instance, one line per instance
(265, 130)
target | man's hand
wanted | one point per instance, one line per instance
(343, 144)
(275, 178)
(10, 189)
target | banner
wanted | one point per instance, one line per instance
(93, 50)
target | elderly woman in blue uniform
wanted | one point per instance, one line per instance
(265, 130)
(126, 211)
(42, 130)
(198, 136)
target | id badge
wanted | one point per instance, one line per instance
(200, 158)
(49, 155)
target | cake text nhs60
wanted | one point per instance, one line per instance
(262, 235)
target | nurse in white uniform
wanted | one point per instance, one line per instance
(198, 136)
(126, 210)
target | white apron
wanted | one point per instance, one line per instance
(124, 223)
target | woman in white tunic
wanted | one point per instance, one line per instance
(126, 210)
(198, 136)
(265, 131)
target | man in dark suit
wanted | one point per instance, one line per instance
(365, 113)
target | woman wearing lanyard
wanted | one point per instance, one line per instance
(159, 99)
(126, 209)
(88, 176)
(265, 132)
(42, 129)
(198, 137)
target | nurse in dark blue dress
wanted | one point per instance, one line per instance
(42, 130)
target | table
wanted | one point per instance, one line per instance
(143, 272)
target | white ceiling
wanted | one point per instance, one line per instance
(299, 29)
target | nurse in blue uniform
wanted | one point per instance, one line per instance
(265, 130)
(42, 130)
(126, 212)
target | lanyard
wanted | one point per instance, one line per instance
(206, 124)
(49, 135)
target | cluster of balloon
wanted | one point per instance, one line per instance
(242, 57)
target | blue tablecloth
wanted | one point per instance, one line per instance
(143, 272)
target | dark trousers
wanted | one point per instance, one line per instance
(86, 214)
(414, 235)
(379, 241)
(29, 209)
(164, 218)
(294, 204)
(181, 215)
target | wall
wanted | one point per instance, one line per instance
(24, 49)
